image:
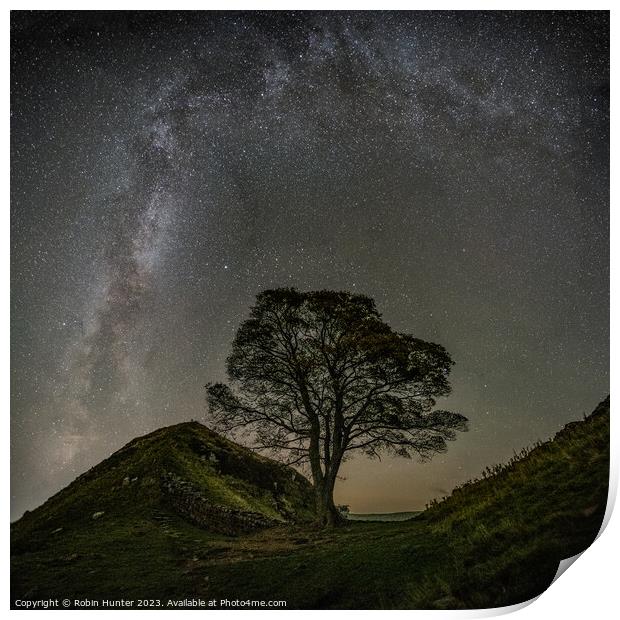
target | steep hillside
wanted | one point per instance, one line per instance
(511, 528)
(186, 470)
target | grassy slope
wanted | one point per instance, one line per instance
(495, 542)
(127, 486)
(510, 530)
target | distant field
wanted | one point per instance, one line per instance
(383, 516)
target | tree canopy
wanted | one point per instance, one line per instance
(318, 375)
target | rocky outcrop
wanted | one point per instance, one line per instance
(188, 501)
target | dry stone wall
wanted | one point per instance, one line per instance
(191, 503)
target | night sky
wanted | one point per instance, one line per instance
(167, 167)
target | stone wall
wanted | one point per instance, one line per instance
(189, 502)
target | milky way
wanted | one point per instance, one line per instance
(167, 167)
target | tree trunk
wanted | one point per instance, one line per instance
(327, 513)
(324, 479)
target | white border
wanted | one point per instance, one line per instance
(588, 589)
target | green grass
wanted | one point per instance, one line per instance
(305, 567)
(127, 484)
(511, 528)
(493, 542)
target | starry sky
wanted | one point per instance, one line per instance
(166, 167)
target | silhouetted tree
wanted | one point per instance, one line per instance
(319, 375)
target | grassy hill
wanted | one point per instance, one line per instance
(511, 528)
(172, 472)
(495, 541)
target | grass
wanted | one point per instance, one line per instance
(493, 542)
(146, 560)
(520, 519)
